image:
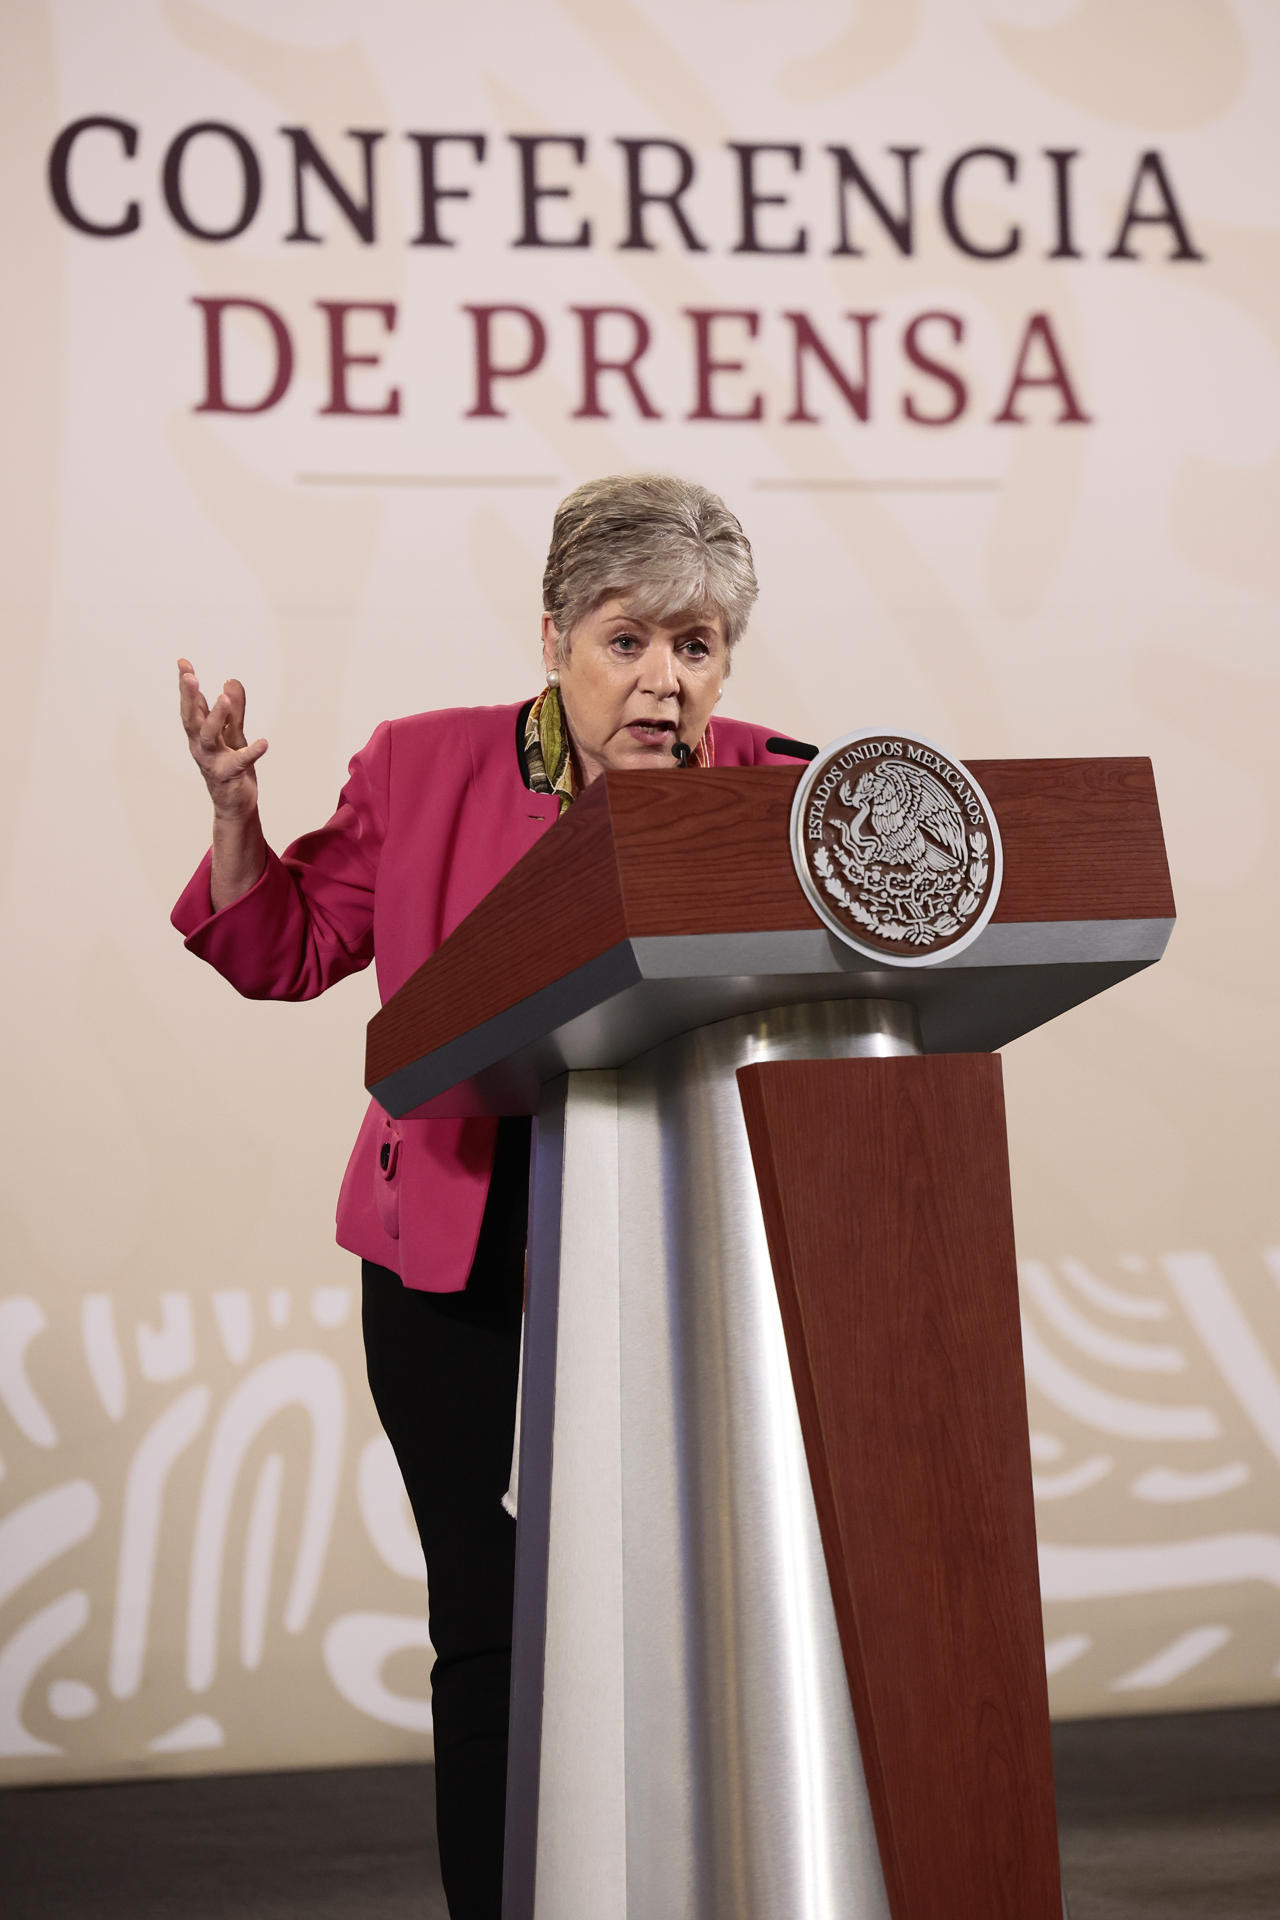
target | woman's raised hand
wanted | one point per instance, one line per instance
(215, 735)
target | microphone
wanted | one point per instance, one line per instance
(683, 755)
(793, 749)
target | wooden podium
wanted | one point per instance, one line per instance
(778, 1648)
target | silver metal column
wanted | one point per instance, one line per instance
(683, 1746)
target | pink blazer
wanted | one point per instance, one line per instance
(434, 812)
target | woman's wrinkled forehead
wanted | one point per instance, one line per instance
(665, 603)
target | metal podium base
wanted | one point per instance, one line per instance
(682, 1743)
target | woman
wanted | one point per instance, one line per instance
(648, 585)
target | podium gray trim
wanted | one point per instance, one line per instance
(645, 991)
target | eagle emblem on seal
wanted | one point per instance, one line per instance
(914, 821)
(896, 846)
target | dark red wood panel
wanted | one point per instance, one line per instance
(1082, 839)
(712, 853)
(885, 1191)
(714, 860)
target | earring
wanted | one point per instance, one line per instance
(719, 691)
(553, 677)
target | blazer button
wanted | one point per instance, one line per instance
(384, 1156)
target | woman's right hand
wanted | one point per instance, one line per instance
(215, 735)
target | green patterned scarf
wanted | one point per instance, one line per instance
(546, 749)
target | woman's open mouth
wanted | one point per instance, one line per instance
(651, 732)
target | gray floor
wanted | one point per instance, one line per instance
(1171, 1818)
(1176, 1818)
(354, 1845)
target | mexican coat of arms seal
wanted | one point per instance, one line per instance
(897, 847)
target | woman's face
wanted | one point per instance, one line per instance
(631, 688)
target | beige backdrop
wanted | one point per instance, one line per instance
(205, 1555)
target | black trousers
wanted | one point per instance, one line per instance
(442, 1369)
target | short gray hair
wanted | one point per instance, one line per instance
(667, 546)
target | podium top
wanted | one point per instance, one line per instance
(675, 903)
